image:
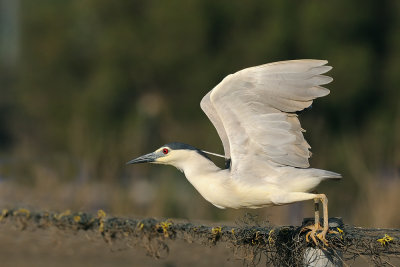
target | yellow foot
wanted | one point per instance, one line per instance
(321, 236)
(312, 232)
(313, 229)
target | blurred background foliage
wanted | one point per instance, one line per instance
(88, 85)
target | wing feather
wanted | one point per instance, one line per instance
(213, 116)
(253, 112)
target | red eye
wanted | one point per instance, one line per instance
(165, 151)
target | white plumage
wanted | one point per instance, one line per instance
(254, 113)
(257, 105)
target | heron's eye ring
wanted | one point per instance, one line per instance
(165, 151)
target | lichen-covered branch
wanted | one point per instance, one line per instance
(282, 246)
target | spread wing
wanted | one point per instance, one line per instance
(254, 109)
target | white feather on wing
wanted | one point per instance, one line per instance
(253, 112)
(213, 116)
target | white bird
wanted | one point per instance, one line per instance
(254, 113)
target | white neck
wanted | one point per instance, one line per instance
(213, 183)
(193, 164)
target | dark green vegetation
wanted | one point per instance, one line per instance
(86, 86)
(276, 246)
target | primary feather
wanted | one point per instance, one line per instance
(254, 109)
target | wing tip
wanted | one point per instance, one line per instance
(325, 79)
(324, 91)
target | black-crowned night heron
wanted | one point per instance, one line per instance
(254, 113)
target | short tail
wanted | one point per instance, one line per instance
(326, 174)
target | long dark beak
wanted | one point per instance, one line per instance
(151, 157)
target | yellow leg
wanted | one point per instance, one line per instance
(322, 235)
(316, 213)
(317, 227)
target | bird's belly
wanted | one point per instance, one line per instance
(224, 192)
(253, 197)
(237, 197)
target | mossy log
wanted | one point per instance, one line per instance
(282, 246)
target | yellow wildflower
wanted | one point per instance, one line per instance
(216, 230)
(77, 218)
(385, 240)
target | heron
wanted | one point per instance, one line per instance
(255, 112)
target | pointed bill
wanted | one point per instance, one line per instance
(151, 157)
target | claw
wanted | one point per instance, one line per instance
(321, 236)
(313, 234)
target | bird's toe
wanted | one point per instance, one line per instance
(322, 237)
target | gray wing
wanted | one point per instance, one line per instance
(254, 109)
(212, 114)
